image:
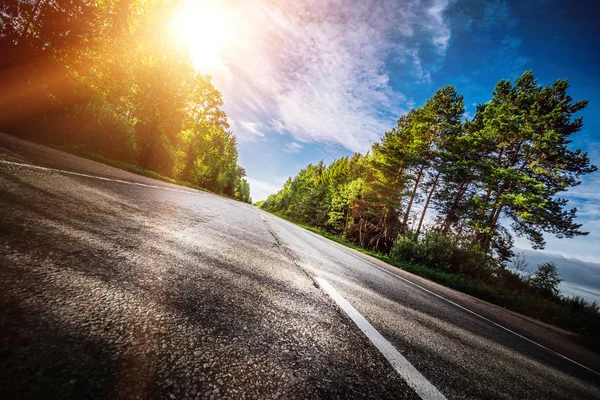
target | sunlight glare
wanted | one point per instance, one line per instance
(205, 27)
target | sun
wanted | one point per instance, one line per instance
(206, 29)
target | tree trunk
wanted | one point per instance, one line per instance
(448, 220)
(412, 195)
(477, 235)
(427, 204)
(386, 206)
(497, 216)
(507, 186)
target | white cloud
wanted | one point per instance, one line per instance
(589, 293)
(260, 190)
(441, 37)
(293, 148)
(252, 127)
(316, 69)
(583, 248)
(580, 278)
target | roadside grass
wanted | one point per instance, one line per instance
(546, 310)
(77, 150)
(80, 151)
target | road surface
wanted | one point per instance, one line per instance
(119, 286)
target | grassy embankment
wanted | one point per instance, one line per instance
(558, 312)
(79, 151)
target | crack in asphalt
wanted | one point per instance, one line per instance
(285, 250)
(418, 383)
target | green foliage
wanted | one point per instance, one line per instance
(109, 76)
(526, 161)
(446, 253)
(242, 191)
(546, 279)
(341, 199)
(509, 163)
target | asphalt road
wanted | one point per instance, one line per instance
(126, 287)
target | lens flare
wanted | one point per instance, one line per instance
(206, 28)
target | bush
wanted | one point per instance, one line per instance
(445, 253)
(89, 122)
(457, 263)
(546, 279)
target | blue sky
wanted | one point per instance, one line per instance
(308, 80)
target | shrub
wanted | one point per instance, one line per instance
(546, 279)
(445, 253)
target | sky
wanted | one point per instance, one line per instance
(305, 80)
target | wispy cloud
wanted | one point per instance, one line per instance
(316, 69)
(293, 148)
(437, 24)
(252, 127)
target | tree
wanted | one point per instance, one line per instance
(344, 183)
(366, 227)
(454, 199)
(386, 178)
(444, 113)
(546, 279)
(527, 129)
(341, 200)
(242, 191)
(508, 164)
(111, 77)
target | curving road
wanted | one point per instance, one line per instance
(119, 286)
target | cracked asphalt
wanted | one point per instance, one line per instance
(112, 290)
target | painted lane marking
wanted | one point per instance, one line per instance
(95, 177)
(405, 369)
(483, 318)
(339, 246)
(196, 192)
(232, 202)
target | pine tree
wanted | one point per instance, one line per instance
(530, 126)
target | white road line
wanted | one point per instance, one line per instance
(413, 378)
(480, 316)
(340, 247)
(196, 192)
(95, 177)
(232, 202)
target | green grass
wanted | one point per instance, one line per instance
(77, 150)
(90, 155)
(450, 280)
(539, 308)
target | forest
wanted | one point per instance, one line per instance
(109, 78)
(447, 193)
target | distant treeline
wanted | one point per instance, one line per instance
(505, 165)
(440, 190)
(110, 77)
